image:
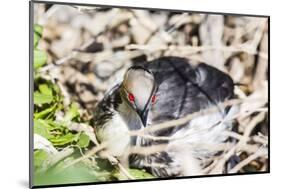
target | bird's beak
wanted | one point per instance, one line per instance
(143, 115)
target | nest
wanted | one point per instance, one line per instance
(90, 48)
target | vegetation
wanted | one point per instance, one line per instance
(51, 121)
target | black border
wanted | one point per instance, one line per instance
(31, 85)
(31, 17)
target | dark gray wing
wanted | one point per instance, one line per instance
(185, 89)
(106, 108)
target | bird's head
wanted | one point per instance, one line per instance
(139, 90)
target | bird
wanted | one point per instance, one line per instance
(161, 90)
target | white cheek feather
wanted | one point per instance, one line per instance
(116, 134)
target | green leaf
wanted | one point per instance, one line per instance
(72, 113)
(84, 140)
(46, 112)
(37, 34)
(38, 29)
(136, 173)
(78, 173)
(140, 174)
(41, 128)
(57, 125)
(40, 58)
(64, 139)
(36, 39)
(40, 156)
(45, 89)
(44, 96)
(56, 89)
(40, 98)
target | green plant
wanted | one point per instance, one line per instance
(51, 120)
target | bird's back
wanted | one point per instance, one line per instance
(184, 88)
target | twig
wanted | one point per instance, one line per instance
(261, 70)
(93, 151)
(182, 19)
(114, 161)
(196, 49)
(148, 150)
(227, 133)
(174, 123)
(219, 166)
(237, 136)
(211, 33)
(87, 129)
(66, 96)
(259, 153)
(125, 172)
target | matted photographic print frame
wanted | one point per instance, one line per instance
(126, 94)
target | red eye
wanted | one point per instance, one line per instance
(131, 97)
(153, 99)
